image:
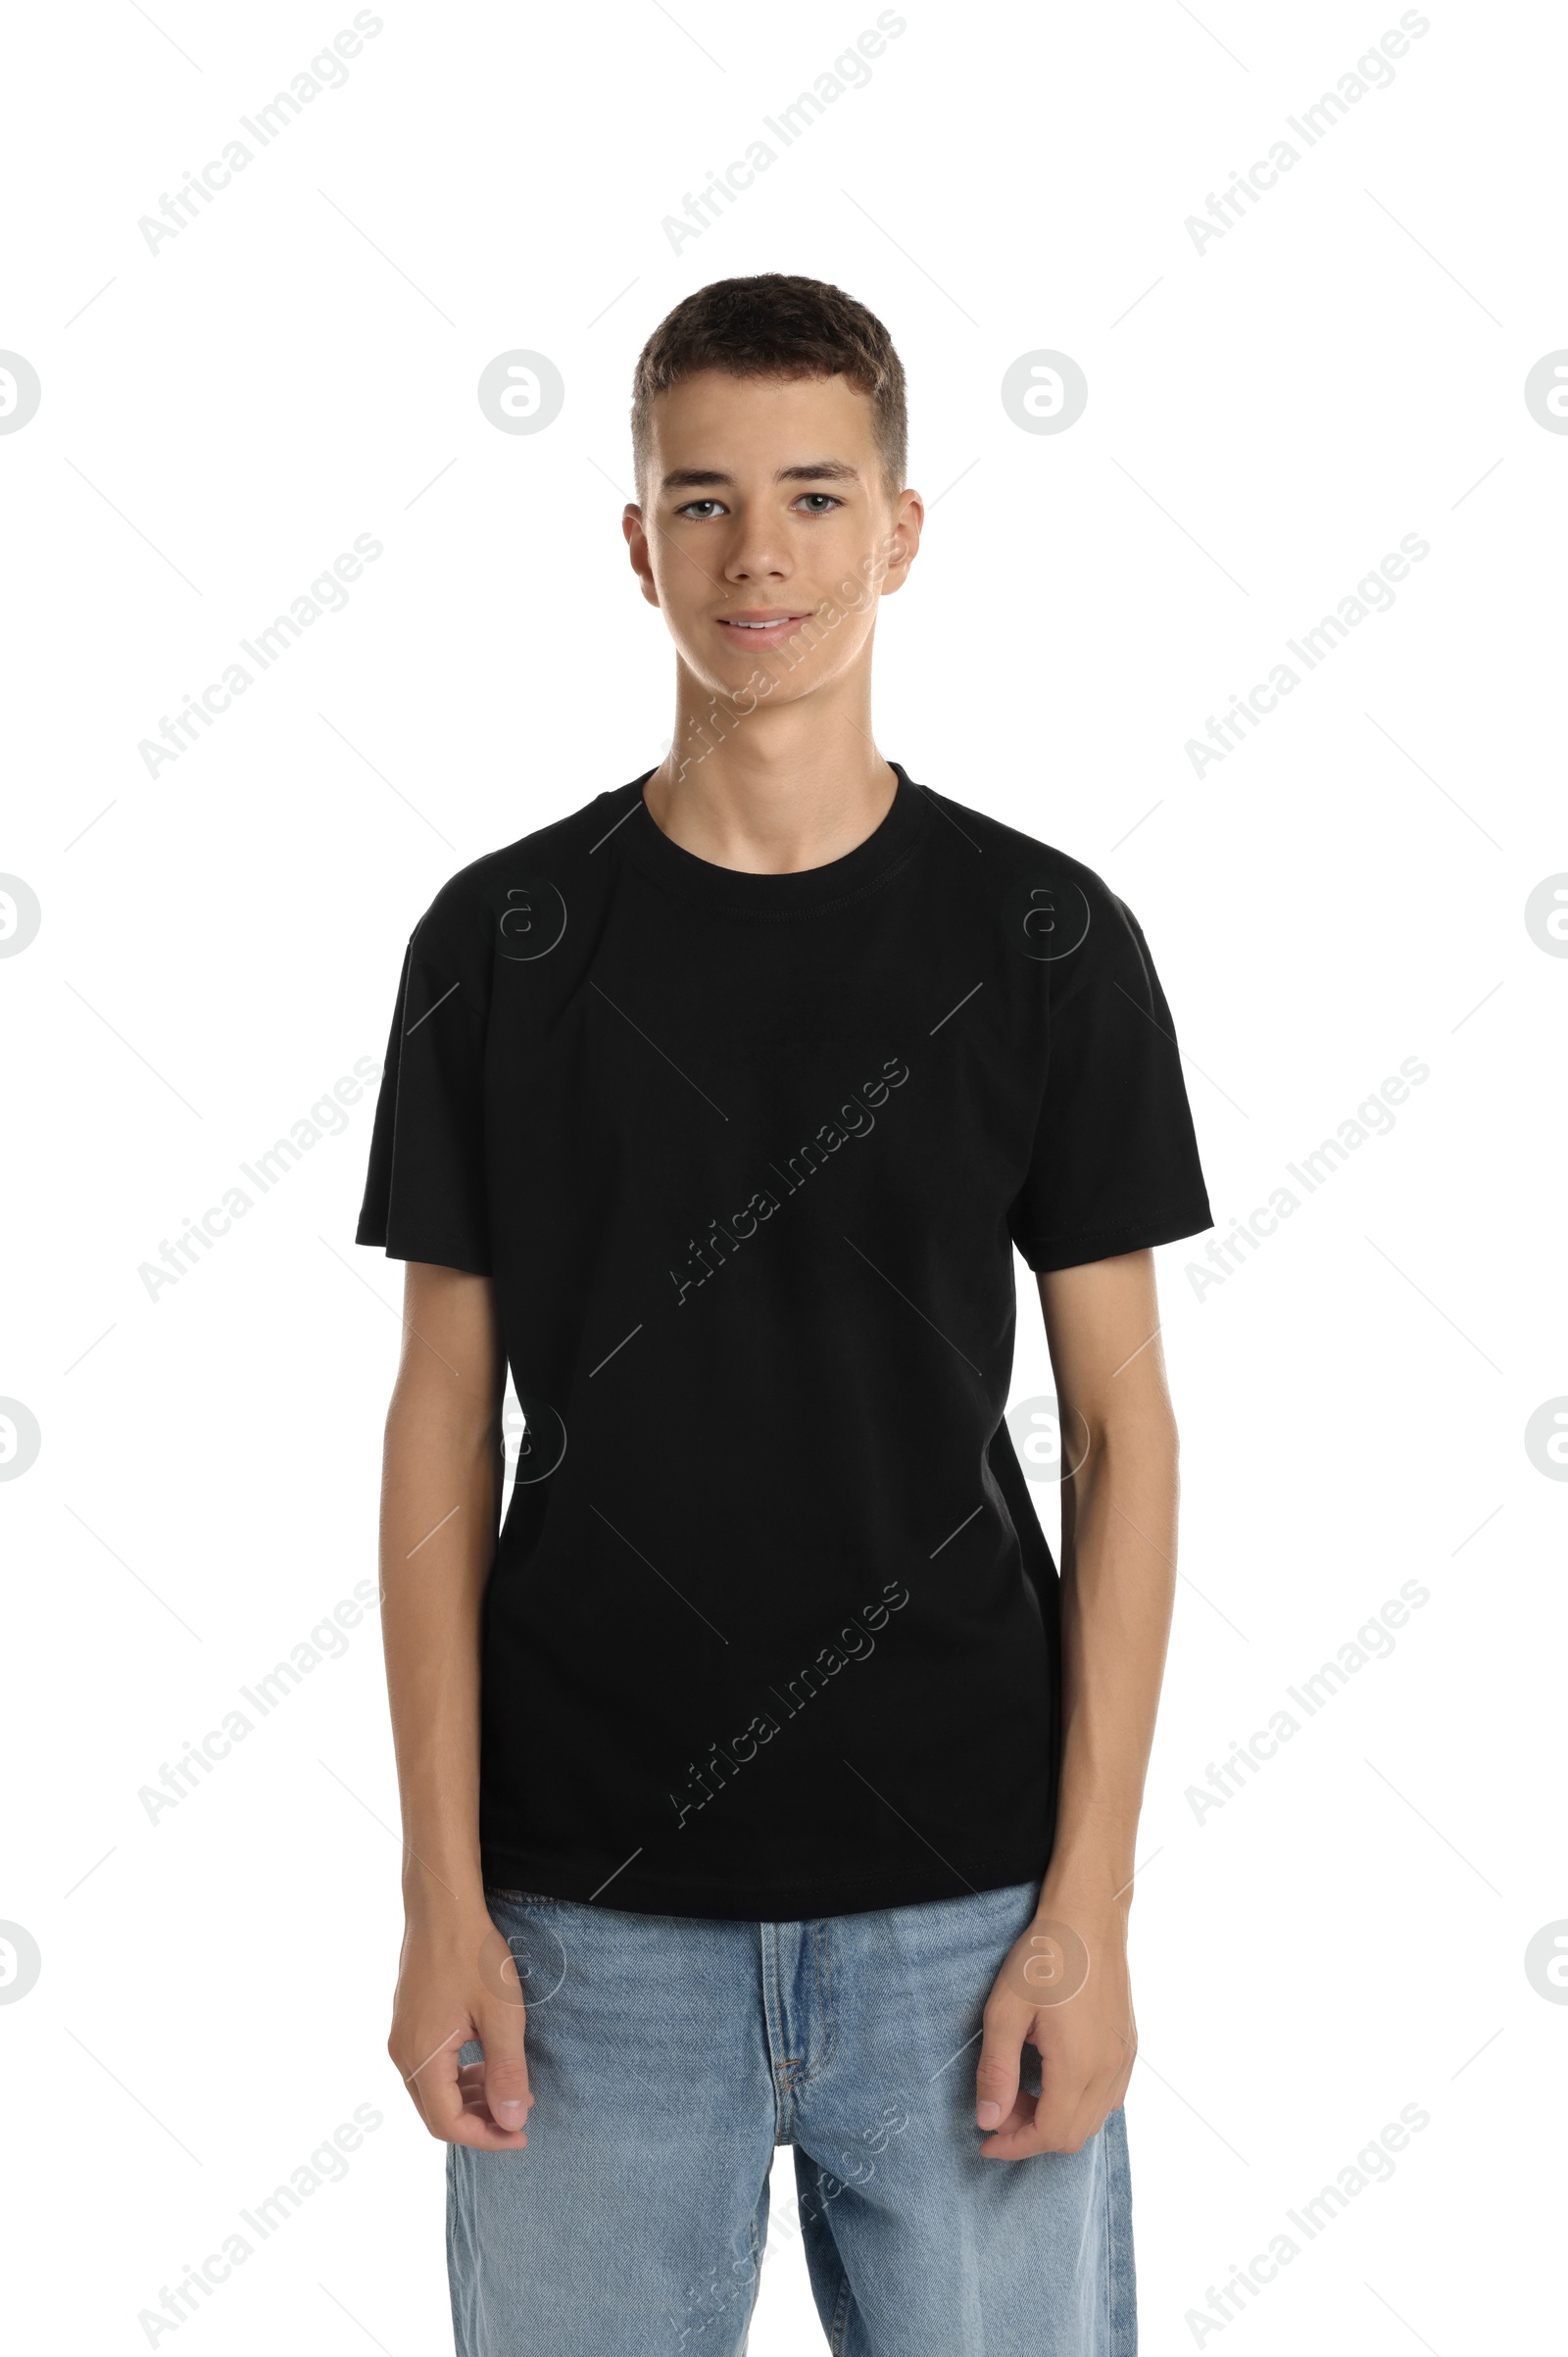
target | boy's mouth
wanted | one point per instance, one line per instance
(761, 627)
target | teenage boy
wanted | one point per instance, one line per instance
(762, 1784)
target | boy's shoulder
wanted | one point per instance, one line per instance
(1008, 848)
(522, 886)
(1030, 877)
(518, 885)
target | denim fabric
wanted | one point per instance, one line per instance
(669, 2055)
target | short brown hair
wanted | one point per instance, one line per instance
(776, 325)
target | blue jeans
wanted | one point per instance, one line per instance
(669, 2054)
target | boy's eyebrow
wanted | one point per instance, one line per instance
(820, 471)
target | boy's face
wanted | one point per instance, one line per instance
(768, 531)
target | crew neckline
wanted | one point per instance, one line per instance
(872, 860)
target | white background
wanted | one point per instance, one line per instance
(1266, 419)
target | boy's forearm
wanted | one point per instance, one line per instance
(438, 1520)
(1118, 1581)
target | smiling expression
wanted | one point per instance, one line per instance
(768, 533)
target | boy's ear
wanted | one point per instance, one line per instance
(903, 542)
(631, 523)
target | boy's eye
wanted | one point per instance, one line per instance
(814, 503)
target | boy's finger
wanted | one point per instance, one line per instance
(506, 2066)
(996, 2078)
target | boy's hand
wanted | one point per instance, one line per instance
(457, 1980)
(1063, 1989)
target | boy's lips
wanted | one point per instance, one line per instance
(761, 627)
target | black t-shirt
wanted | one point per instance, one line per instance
(771, 1625)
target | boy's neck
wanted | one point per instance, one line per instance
(775, 789)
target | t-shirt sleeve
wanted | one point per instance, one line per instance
(424, 1191)
(1115, 1164)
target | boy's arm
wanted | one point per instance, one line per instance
(1118, 1548)
(440, 1488)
